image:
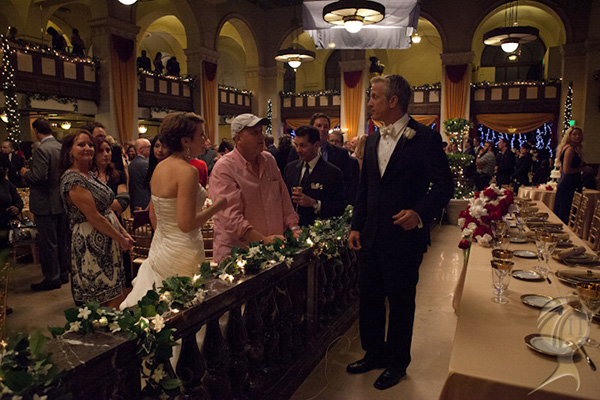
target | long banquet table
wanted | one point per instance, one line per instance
(490, 359)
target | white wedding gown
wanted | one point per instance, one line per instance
(172, 252)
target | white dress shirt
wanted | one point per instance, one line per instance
(311, 167)
(389, 139)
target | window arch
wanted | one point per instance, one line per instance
(333, 77)
(527, 66)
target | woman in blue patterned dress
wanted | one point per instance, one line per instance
(97, 236)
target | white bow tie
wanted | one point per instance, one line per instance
(388, 130)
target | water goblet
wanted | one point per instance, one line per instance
(550, 242)
(501, 278)
(539, 246)
(589, 298)
(498, 229)
(500, 254)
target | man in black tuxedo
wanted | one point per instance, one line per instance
(14, 162)
(390, 227)
(505, 163)
(322, 182)
(335, 155)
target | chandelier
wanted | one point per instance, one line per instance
(353, 14)
(293, 56)
(512, 35)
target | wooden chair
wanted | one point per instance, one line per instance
(580, 217)
(574, 208)
(4, 274)
(208, 235)
(143, 238)
(594, 236)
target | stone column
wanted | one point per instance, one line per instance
(102, 29)
(195, 60)
(266, 83)
(455, 59)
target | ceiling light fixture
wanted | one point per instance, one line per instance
(142, 129)
(354, 14)
(415, 38)
(4, 117)
(127, 2)
(293, 56)
(513, 57)
(511, 35)
(66, 125)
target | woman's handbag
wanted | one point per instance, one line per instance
(22, 229)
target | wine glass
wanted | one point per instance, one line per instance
(499, 231)
(540, 244)
(296, 190)
(589, 298)
(500, 254)
(550, 242)
(501, 278)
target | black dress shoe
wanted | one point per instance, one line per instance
(389, 378)
(362, 366)
(45, 285)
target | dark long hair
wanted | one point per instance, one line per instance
(111, 171)
(152, 160)
(65, 161)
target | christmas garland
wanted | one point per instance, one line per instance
(46, 97)
(310, 93)
(236, 90)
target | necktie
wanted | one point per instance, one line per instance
(306, 175)
(324, 154)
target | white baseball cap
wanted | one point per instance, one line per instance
(246, 121)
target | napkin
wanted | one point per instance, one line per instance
(531, 235)
(563, 255)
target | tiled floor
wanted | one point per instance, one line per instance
(434, 327)
(435, 323)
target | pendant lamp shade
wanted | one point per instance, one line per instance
(353, 14)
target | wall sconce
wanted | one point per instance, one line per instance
(66, 125)
(142, 129)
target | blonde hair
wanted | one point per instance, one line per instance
(566, 141)
(359, 151)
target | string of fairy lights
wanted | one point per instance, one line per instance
(10, 93)
(540, 138)
(269, 117)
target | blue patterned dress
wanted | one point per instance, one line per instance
(96, 260)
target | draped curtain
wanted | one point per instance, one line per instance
(352, 101)
(124, 84)
(296, 123)
(456, 89)
(209, 98)
(514, 123)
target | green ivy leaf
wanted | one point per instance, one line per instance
(37, 344)
(148, 310)
(170, 384)
(17, 380)
(71, 314)
(56, 331)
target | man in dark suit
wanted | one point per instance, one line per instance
(322, 182)
(46, 205)
(139, 192)
(14, 162)
(505, 163)
(270, 146)
(335, 155)
(393, 209)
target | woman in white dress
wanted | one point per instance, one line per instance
(177, 247)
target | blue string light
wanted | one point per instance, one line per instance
(540, 138)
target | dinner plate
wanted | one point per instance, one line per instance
(525, 254)
(585, 258)
(574, 277)
(526, 275)
(517, 239)
(564, 243)
(548, 345)
(535, 300)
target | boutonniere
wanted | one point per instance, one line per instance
(318, 186)
(409, 133)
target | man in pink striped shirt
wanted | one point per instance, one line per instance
(258, 203)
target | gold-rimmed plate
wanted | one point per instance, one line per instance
(548, 345)
(535, 300)
(517, 239)
(526, 275)
(525, 254)
(575, 277)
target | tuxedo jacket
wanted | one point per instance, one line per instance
(506, 167)
(415, 164)
(139, 193)
(325, 183)
(14, 163)
(44, 179)
(341, 159)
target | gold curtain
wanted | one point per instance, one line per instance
(514, 123)
(296, 123)
(456, 89)
(352, 101)
(124, 84)
(423, 119)
(209, 98)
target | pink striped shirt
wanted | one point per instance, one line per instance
(253, 202)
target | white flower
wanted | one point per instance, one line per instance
(409, 133)
(103, 321)
(472, 226)
(5, 389)
(159, 374)
(461, 221)
(200, 294)
(253, 251)
(289, 262)
(226, 277)
(44, 370)
(158, 323)
(101, 311)
(84, 313)
(15, 397)
(484, 240)
(467, 232)
(37, 397)
(75, 326)
(114, 327)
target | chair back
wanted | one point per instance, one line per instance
(4, 274)
(574, 208)
(594, 237)
(581, 217)
(142, 234)
(208, 235)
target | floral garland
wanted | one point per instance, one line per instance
(314, 93)
(46, 97)
(236, 90)
(487, 84)
(487, 205)
(35, 374)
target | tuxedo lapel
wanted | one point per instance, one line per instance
(373, 152)
(397, 153)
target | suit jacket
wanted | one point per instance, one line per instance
(506, 167)
(414, 165)
(522, 169)
(44, 179)
(341, 159)
(139, 193)
(325, 183)
(14, 165)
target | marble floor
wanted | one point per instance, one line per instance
(434, 327)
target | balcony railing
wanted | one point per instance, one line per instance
(515, 97)
(303, 105)
(234, 101)
(166, 92)
(261, 337)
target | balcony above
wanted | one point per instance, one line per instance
(515, 97)
(167, 92)
(233, 101)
